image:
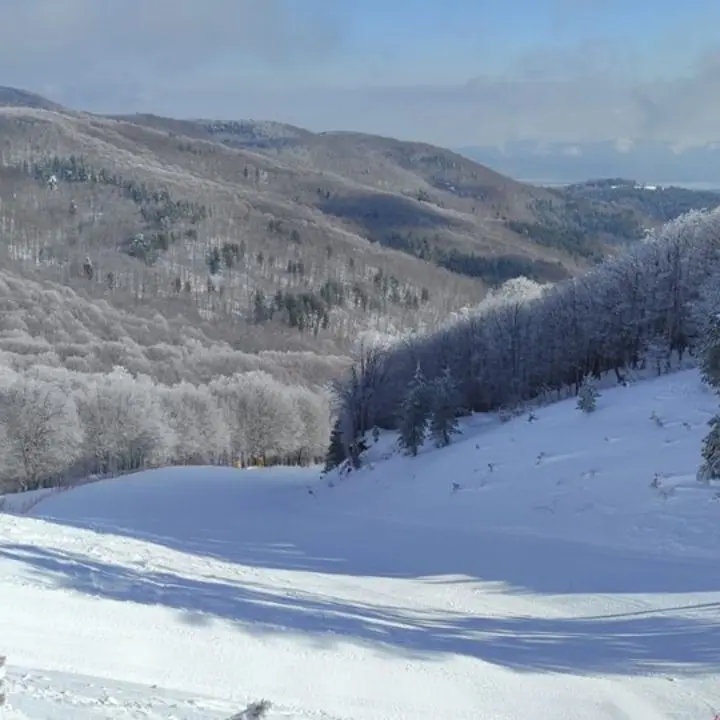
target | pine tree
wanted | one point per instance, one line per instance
(710, 469)
(336, 450)
(710, 367)
(710, 352)
(587, 396)
(445, 402)
(414, 414)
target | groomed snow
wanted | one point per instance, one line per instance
(573, 574)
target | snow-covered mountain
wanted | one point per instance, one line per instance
(565, 568)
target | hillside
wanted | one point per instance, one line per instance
(287, 233)
(574, 580)
(227, 265)
(500, 209)
(14, 97)
(658, 204)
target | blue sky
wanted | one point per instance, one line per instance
(428, 41)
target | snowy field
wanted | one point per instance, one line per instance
(562, 569)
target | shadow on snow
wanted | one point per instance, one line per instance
(317, 539)
(633, 643)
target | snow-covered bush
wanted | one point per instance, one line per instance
(254, 711)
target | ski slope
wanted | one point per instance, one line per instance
(572, 572)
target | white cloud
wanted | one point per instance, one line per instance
(152, 42)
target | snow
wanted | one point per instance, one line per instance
(577, 578)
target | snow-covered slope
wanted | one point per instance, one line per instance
(571, 573)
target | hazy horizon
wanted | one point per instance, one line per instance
(464, 74)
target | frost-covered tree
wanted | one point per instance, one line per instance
(414, 414)
(657, 355)
(231, 405)
(270, 426)
(588, 395)
(313, 412)
(41, 434)
(269, 422)
(124, 422)
(445, 404)
(199, 431)
(358, 398)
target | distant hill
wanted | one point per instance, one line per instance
(495, 224)
(13, 97)
(655, 202)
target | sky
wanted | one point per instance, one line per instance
(457, 72)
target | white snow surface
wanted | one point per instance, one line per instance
(578, 578)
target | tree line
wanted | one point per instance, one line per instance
(650, 299)
(57, 425)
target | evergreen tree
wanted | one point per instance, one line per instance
(710, 367)
(414, 414)
(587, 396)
(336, 451)
(446, 401)
(214, 260)
(710, 352)
(710, 469)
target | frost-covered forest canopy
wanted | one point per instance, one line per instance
(655, 300)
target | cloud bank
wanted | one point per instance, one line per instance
(228, 58)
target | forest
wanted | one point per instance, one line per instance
(651, 302)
